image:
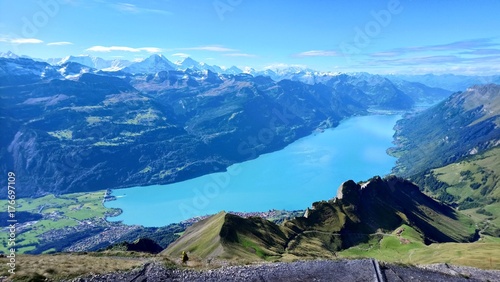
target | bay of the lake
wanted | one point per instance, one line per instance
(308, 170)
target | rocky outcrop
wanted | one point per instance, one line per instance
(359, 212)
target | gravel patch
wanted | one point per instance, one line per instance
(319, 270)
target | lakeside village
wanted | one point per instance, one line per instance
(97, 231)
(270, 214)
(273, 215)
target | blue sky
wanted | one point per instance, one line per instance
(377, 36)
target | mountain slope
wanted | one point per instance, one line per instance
(369, 89)
(421, 93)
(383, 92)
(20, 71)
(359, 213)
(466, 123)
(202, 238)
(449, 82)
(472, 184)
(189, 63)
(72, 69)
(229, 236)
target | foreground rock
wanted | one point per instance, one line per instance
(321, 270)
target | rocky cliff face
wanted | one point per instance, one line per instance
(377, 206)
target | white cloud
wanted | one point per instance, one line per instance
(123, 48)
(60, 43)
(464, 45)
(318, 53)
(21, 40)
(182, 55)
(134, 9)
(150, 49)
(212, 48)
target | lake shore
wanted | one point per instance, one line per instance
(308, 170)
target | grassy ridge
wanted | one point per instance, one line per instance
(473, 185)
(230, 237)
(201, 239)
(408, 248)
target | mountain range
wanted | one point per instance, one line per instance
(72, 127)
(158, 62)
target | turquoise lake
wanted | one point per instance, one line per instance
(308, 170)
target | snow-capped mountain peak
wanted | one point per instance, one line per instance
(233, 70)
(9, 55)
(282, 69)
(189, 63)
(157, 62)
(117, 65)
(86, 60)
(152, 64)
(249, 70)
(72, 70)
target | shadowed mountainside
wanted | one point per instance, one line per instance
(466, 123)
